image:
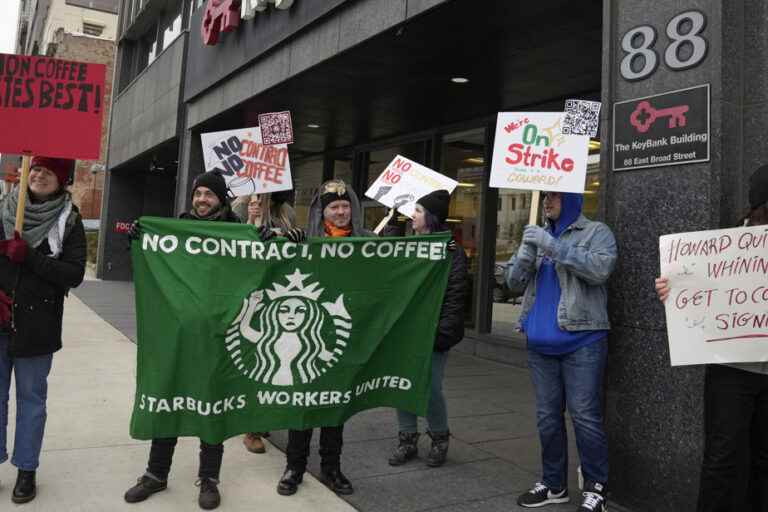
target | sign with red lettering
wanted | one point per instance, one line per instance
(219, 16)
(122, 227)
(717, 311)
(531, 152)
(51, 107)
(404, 182)
(11, 173)
(248, 165)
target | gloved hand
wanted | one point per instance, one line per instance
(526, 253)
(265, 233)
(296, 235)
(6, 303)
(134, 232)
(16, 249)
(539, 237)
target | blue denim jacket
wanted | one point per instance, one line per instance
(585, 256)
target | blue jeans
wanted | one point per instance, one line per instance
(437, 414)
(575, 380)
(31, 393)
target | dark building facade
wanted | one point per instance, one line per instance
(366, 80)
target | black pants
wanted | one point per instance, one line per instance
(331, 440)
(161, 456)
(734, 474)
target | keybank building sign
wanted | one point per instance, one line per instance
(225, 15)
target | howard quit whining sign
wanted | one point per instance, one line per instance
(51, 107)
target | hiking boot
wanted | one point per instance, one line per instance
(593, 498)
(439, 450)
(253, 443)
(145, 487)
(541, 495)
(406, 450)
(335, 480)
(25, 489)
(209, 497)
(289, 482)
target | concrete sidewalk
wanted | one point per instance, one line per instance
(89, 460)
(494, 453)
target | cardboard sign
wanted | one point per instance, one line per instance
(531, 152)
(404, 181)
(248, 165)
(717, 311)
(51, 107)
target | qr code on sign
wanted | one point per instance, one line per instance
(581, 117)
(276, 128)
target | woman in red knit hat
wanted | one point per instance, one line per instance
(37, 268)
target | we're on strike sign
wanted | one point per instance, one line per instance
(531, 152)
(51, 107)
(717, 311)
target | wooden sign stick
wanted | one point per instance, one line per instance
(22, 193)
(384, 221)
(533, 219)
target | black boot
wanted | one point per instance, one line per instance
(144, 488)
(209, 497)
(25, 488)
(406, 450)
(289, 482)
(335, 480)
(439, 450)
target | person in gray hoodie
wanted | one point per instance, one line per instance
(335, 212)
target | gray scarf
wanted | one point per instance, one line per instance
(39, 218)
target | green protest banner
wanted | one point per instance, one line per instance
(237, 335)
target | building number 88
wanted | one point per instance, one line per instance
(638, 45)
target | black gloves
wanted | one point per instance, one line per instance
(265, 233)
(134, 232)
(296, 235)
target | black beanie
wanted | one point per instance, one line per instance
(758, 187)
(436, 203)
(214, 181)
(334, 190)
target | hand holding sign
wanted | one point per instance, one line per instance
(404, 181)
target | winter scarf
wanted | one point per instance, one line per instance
(46, 220)
(334, 232)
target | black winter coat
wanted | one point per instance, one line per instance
(450, 329)
(38, 287)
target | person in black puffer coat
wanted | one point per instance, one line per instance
(429, 217)
(37, 268)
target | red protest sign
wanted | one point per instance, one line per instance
(51, 107)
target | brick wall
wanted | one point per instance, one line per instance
(88, 186)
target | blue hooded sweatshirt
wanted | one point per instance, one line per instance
(544, 333)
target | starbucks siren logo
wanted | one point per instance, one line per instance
(288, 333)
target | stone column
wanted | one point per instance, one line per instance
(654, 411)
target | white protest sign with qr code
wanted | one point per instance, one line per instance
(404, 182)
(248, 165)
(532, 152)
